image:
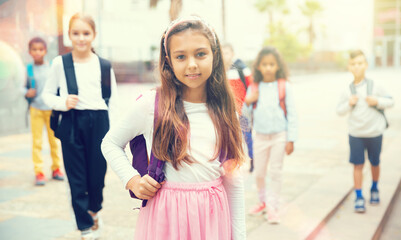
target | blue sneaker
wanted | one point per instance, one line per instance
(360, 205)
(374, 197)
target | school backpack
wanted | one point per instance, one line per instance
(140, 160)
(30, 83)
(72, 87)
(240, 66)
(281, 94)
(369, 89)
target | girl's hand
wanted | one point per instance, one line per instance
(289, 148)
(353, 100)
(31, 93)
(71, 101)
(372, 101)
(252, 98)
(144, 187)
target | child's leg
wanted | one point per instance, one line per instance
(374, 146)
(75, 164)
(375, 173)
(261, 149)
(52, 141)
(248, 141)
(247, 133)
(37, 123)
(358, 176)
(97, 165)
(357, 158)
(277, 153)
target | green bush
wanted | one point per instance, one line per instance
(287, 44)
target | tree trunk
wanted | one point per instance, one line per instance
(271, 25)
(153, 3)
(223, 16)
(175, 9)
(60, 12)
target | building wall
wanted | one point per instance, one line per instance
(21, 20)
(387, 33)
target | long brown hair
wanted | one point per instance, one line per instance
(282, 71)
(170, 137)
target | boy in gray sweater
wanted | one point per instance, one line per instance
(365, 102)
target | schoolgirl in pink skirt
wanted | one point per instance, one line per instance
(196, 134)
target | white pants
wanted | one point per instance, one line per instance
(269, 149)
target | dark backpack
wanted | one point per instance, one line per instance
(240, 66)
(140, 160)
(369, 88)
(72, 87)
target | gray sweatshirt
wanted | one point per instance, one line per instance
(365, 121)
(40, 74)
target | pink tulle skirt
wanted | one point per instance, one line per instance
(186, 211)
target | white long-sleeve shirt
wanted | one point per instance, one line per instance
(88, 78)
(365, 121)
(268, 116)
(139, 120)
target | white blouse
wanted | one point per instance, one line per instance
(139, 120)
(88, 78)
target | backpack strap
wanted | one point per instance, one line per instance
(369, 86)
(281, 95)
(31, 80)
(254, 87)
(72, 87)
(369, 89)
(241, 76)
(239, 66)
(105, 68)
(69, 72)
(352, 88)
(155, 168)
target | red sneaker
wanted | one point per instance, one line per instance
(258, 209)
(58, 175)
(40, 179)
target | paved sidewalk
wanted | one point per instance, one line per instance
(29, 212)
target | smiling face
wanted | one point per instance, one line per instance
(37, 50)
(268, 67)
(191, 58)
(81, 35)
